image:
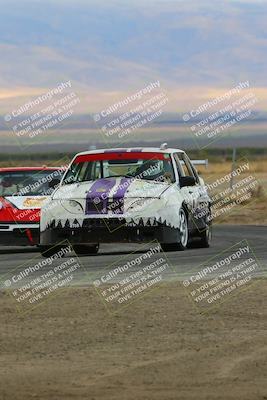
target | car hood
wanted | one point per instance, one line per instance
(111, 188)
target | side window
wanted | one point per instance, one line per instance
(183, 165)
(190, 167)
(83, 171)
(178, 165)
(97, 170)
(92, 171)
(72, 173)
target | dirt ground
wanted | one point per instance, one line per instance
(159, 348)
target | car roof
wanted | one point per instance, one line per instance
(131, 150)
(14, 169)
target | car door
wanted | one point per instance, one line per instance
(195, 196)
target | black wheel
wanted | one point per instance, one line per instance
(48, 251)
(205, 237)
(84, 250)
(184, 235)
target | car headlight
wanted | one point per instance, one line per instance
(72, 206)
(138, 204)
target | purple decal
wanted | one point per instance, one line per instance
(97, 196)
(118, 198)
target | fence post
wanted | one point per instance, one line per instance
(233, 168)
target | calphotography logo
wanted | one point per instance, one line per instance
(37, 281)
(121, 120)
(223, 276)
(131, 277)
(37, 117)
(213, 119)
(32, 191)
(229, 193)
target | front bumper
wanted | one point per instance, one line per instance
(111, 231)
(12, 234)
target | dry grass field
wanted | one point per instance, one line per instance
(252, 211)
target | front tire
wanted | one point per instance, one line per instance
(86, 250)
(184, 235)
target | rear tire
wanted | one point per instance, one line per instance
(205, 237)
(86, 250)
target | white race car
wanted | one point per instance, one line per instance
(127, 195)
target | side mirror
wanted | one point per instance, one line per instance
(187, 181)
(54, 183)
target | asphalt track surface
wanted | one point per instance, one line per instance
(182, 263)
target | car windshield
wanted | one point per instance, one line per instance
(28, 183)
(141, 165)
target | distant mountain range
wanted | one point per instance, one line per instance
(80, 132)
(108, 49)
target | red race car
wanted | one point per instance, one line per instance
(23, 190)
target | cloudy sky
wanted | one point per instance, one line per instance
(197, 48)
